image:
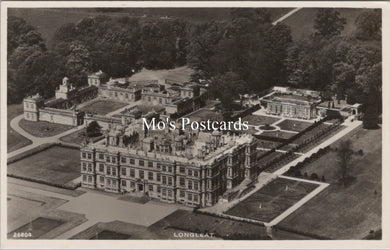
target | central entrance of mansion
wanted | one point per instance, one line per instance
(140, 187)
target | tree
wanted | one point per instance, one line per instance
(344, 155)
(93, 129)
(368, 25)
(328, 23)
(370, 118)
(227, 87)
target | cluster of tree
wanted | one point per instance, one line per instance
(245, 53)
(118, 46)
(349, 66)
(31, 67)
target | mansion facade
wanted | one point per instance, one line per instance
(61, 108)
(193, 168)
(293, 103)
(305, 104)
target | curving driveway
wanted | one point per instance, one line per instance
(36, 141)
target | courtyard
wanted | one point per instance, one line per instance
(103, 107)
(272, 200)
(204, 115)
(55, 165)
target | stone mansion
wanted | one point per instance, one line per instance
(192, 168)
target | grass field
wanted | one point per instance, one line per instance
(225, 228)
(182, 74)
(259, 119)
(56, 164)
(37, 227)
(204, 115)
(278, 134)
(118, 230)
(293, 125)
(271, 200)
(302, 22)
(110, 235)
(356, 208)
(47, 21)
(103, 107)
(14, 140)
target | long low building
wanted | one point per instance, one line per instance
(293, 103)
(61, 108)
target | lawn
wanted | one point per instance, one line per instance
(57, 165)
(293, 125)
(278, 134)
(119, 230)
(47, 21)
(78, 137)
(302, 22)
(259, 119)
(355, 209)
(204, 115)
(42, 128)
(181, 74)
(224, 228)
(103, 107)
(272, 200)
(110, 235)
(15, 140)
(37, 227)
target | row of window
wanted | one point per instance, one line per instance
(116, 94)
(154, 98)
(30, 115)
(32, 105)
(164, 168)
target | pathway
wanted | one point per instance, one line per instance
(36, 141)
(285, 16)
(103, 207)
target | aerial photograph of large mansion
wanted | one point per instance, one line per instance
(112, 114)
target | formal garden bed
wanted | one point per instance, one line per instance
(272, 200)
(294, 125)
